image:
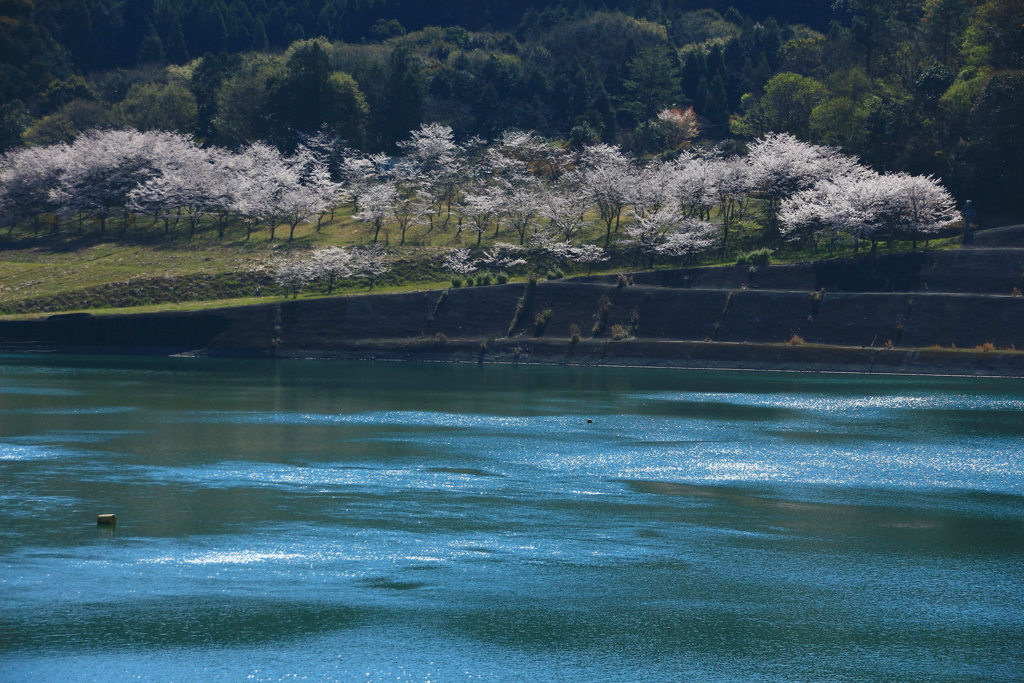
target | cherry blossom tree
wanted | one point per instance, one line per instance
(867, 205)
(359, 173)
(524, 152)
(332, 264)
(295, 271)
(668, 232)
(502, 256)
(369, 263)
(680, 126)
(297, 204)
(431, 146)
(732, 184)
(461, 262)
(818, 212)
(292, 272)
(565, 204)
(304, 191)
(607, 177)
(688, 238)
(104, 166)
(376, 206)
(913, 206)
(190, 181)
(407, 209)
(313, 161)
(246, 197)
(647, 232)
(433, 160)
(589, 255)
(520, 205)
(482, 210)
(262, 174)
(781, 165)
(28, 178)
(692, 185)
(562, 252)
(651, 188)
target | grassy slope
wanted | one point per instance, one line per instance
(148, 272)
(47, 274)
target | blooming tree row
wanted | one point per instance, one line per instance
(531, 191)
(330, 265)
(125, 174)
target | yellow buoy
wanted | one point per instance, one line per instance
(106, 519)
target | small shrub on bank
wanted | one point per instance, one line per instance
(575, 332)
(759, 257)
(796, 340)
(619, 333)
(456, 282)
(502, 278)
(541, 322)
(437, 306)
(524, 303)
(987, 346)
(604, 307)
(1015, 292)
(634, 322)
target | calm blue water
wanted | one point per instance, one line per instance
(404, 522)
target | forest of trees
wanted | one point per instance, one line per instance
(924, 87)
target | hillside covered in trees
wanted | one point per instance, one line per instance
(933, 87)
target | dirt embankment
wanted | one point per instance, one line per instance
(859, 315)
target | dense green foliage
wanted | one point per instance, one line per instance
(922, 86)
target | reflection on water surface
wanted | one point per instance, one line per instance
(405, 522)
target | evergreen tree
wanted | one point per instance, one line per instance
(259, 37)
(302, 96)
(716, 106)
(404, 95)
(653, 83)
(175, 48)
(205, 84)
(695, 69)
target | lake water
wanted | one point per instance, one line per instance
(330, 521)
